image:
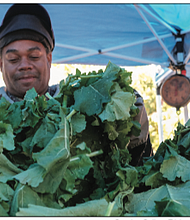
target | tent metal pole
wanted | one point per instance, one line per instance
(186, 117)
(185, 31)
(187, 58)
(135, 43)
(133, 59)
(159, 113)
(93, 52)
(108, 54)
(155, 34)
(76, 57)
(113, 48)
(73, 47)
(157, 18)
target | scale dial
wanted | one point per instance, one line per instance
(175, 90)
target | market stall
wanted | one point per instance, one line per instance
(125, 34)
(67, 155)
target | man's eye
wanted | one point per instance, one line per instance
(34, 57)
(14, 60)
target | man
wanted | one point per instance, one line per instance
(140, 146)
(26, 45)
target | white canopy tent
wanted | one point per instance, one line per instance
(125, 34)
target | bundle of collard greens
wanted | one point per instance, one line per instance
(61, 155)
(67, 156)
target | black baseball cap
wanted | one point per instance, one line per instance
(27, 21)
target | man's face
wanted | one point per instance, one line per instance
(25, 64)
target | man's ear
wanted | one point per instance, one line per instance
(49, 59)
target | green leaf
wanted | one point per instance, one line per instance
(165, 150)
(129, 175)
(119, 107)
(170, 207)
(136, 128)
(4, 105)
(49, 200)
(26, 146)
(110, 128)
(90, 99)
(146, 200)
(30, 94)
(92, 208)
(23, 196)
(67, 186)
(33, 176)
(7, 169)
(53, 177)
(124, 129)
(185, 141)
(9, 117)
(6, 195)
(6, 192)
(111, 68)
(134, 111)
(82, 149)
(100, 181)
(121, 189)
(154, 179)
(78, 123)
(3, 212)
(56, 150)
(80, 166)
(6, 137)
(44, 134)
(174, 167)
(29, 114)
(54, 158)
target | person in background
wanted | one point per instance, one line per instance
(140, 147)
(26, 45)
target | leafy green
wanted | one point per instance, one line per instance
(23, 196)
(7, 169)
(58, 152)
(6, 137)
(91, 208)
(89, 99)
(146, 200)
(78, 123)
(68, 156)
(170, 207)
(119, 107)
(177, 166)
(32, 176)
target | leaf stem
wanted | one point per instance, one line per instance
(48, 95)
(71, 114)
(64, 101)
(93, 154)
(109, 209)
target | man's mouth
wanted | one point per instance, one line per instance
(27, 79)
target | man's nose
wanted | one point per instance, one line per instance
(25, 64)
